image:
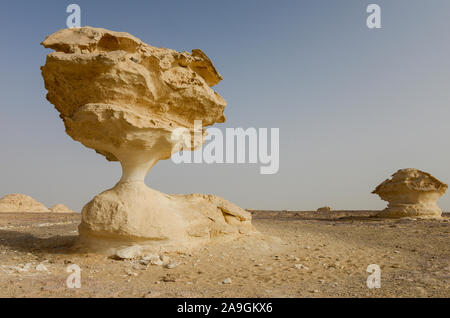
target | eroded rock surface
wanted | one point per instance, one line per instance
(411, 193)
(135, 212)
(137, 104)
(21, 203)
(114, 91)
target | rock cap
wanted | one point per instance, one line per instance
(413, 179)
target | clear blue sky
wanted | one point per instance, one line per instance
(353, 105)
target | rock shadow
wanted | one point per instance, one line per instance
(29, 243)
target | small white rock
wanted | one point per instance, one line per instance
(300, 266)
(41, 268)
(21, 268)
(129, 252)
(171, 265)
(152, 259)
(227, 281)
(130, 273)
(166, 259)
(157, 262)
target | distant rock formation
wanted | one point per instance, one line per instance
(21, 203)
(137, 104)
(411, 193)
(324, 209)
(60, 208)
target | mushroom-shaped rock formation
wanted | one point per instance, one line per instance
(411, 193)
(60, 208)
(137, 104)
(21, 203)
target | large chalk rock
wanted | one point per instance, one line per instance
(411, 193)
(21, 203)
(136, 213)
(138, 104)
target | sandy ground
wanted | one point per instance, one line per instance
(334, 250)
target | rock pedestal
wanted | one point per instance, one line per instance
(132, 212)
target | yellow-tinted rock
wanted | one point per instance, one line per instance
(60, 208)
(21, 203)
(103, 80)
(411, 193)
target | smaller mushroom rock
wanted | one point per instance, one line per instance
(324, 209)
(61, 208)
(21, 203)
(411, 193)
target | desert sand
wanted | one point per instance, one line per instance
(300, 254)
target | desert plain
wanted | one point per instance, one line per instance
(298, 254)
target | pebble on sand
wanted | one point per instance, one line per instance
(129, 252)
(41, 268)
(300, 266)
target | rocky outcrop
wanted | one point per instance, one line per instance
(138, 104)
(324, 209)
(60, 208)
(411, 193)
(21, 203)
